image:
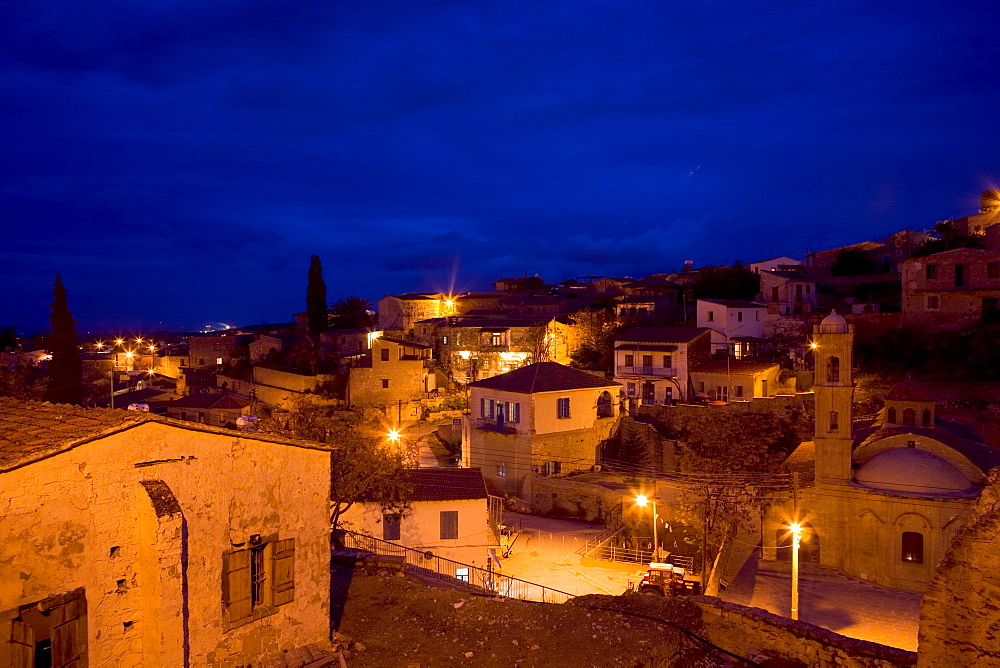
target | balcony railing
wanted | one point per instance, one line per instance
(657, 371)
(488, 424)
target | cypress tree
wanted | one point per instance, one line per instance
(65, 368)
(316, 299)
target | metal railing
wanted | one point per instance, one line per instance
(657, 371)
(487, 424)
(480, 580)
(598, 541)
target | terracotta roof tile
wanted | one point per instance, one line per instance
(543, 377)
(446, 484)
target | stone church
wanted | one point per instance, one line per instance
(886, 499)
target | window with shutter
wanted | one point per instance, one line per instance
(283, 566)
(22, 641)
(449, 524)
(390, 526)
(236, 587)
(69, 634)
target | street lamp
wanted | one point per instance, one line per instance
(796, 529)
(641, 500)
(394, 436)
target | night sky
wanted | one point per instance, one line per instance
(178, 162)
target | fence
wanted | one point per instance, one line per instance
(484, 580)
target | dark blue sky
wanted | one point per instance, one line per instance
(178, 162)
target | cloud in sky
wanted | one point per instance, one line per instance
(153, 150)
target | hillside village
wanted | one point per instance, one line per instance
(214, 498)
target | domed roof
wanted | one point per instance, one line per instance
(909, 390)
(911, 470)
(833, 324)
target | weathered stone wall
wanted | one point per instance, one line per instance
(80, 519)
(752, 632)
(960, 613)
(571, 498)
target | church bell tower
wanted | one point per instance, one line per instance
(833, 388)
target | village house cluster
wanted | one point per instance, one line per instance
(168, 531)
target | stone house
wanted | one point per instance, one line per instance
(951, 290)
(217, 410)
(266, 344)
(128, 540)
(774, 264)
(448, 516)
(214, 349)
(735, 380)
(392, 371)
(787, 291)
(544, 418)
(886, 500)
(400, 312)
(653, 364)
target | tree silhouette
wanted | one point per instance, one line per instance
(316, 298)
(351, 313)
(65, 368)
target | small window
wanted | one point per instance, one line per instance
(757, 316)
(833, 370)
(501, 470)
(444, 340)
(891, 416)
(514, 412)
(910, 417)
(834, 421)
(390, 526)
(739, 316)
(711, 316)
(925, 418)
(739, 390)
(630, 389)
(449, 524)
(218, 360)
(913, 547)
(630, 360)
(562, 408)
(933, 302)
(959, 275)
(993, 270)
(384, 354)
(385, 383)
(701, 386)
(496, 340)
(931, 272)
(647, 361)
(668, 361)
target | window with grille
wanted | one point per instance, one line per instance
(258, 576)
(913, 547)
(256, 580)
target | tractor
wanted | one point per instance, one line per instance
(668, 580)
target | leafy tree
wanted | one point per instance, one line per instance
(65, 368)
(351, 313)
(8, 338)
(362, 467)
(316, 317)
(852, 262)
(316, 298)
(736, 282)
(948, 238)
(22, 381)
(598, 329)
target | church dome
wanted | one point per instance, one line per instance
(911, 470)
(909, 390)
(833, 324)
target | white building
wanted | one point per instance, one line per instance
(738, 324)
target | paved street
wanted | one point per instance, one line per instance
(546, 554)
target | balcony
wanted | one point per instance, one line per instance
(653, 371)
(488, 424)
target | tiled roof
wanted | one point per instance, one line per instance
(408, 344)
(209, 401)
(909, 390)
(734, 303)
(446, 484)
(32, 430)
(734, 367)
(543, 377)
(660, 334)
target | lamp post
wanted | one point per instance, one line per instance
(642, 500)
(796, 530)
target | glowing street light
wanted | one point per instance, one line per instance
(641, 500)
(813, 345)
(394, 436)
(119, 342)
(796, 530)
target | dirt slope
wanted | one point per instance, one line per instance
(394, 621)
